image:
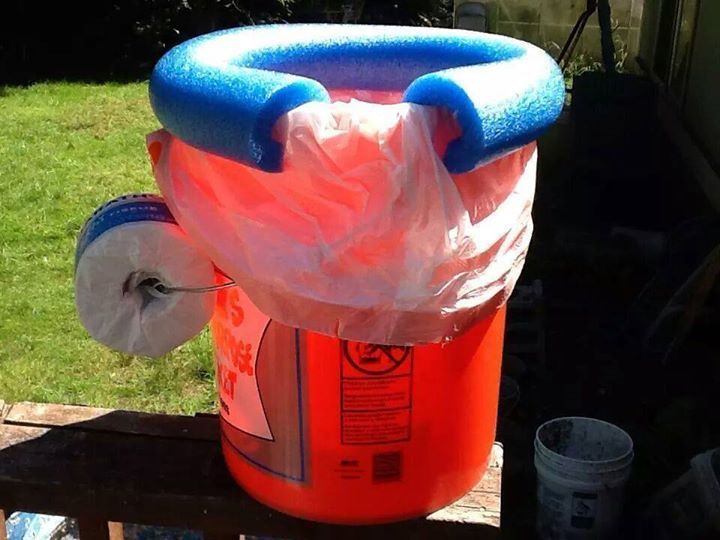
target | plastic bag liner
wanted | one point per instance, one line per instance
(364, 235)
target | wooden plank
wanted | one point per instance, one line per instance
(115, 530)
(98, 419)
(4, 410)
(15, 435)
(96, 528)
(3, 528)
(93, 528)
(483, 503)
(178, 481)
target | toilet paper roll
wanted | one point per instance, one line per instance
(128, 247)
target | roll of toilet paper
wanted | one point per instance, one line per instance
(129, 251)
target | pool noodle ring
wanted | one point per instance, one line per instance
(224, 91)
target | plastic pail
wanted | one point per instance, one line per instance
(582, 465)
(690, 506)
(348, 432)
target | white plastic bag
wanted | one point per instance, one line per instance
(364, 235)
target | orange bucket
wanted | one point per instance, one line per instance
(353, 433)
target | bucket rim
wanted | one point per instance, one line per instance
(708, 482)
(629, 454)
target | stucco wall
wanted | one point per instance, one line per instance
(548, 22)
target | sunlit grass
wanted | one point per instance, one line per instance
(65, 148)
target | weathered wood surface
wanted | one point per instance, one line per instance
(168, 470)
(95, 528)
(3, 530)
(95, 419)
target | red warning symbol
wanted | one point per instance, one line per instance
(372, 359)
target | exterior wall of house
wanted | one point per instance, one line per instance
(701, 107)
(680, 45)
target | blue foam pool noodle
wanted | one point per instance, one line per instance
(224, 91)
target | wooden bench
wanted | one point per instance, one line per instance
(105, 467)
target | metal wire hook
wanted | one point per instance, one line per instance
(151, 285)
(163, 289)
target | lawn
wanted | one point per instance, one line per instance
(65, 148)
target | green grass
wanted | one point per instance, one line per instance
(65, 149)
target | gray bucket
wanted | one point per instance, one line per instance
(582, 466)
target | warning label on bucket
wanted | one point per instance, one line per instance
(376, 427)
(376, 393)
